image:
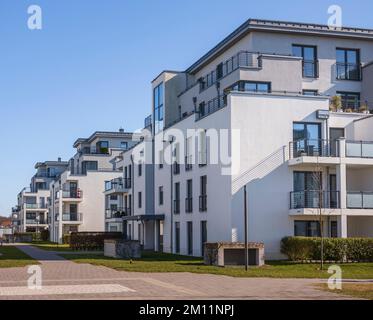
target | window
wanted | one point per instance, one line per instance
(307, 139)
(190, 237)
(307, 229)
(102, 147)
(177, 198)
(348, 64)
(158, 108)
(161, 158)
(188, 154)
(114, 197)
(310, 92)
(203, 194)
(307, 188)
(219, 71)
(250, 86)
(89, 166)
(139, 168)
(140, 199)
(160, 196)
(189, 196)
(333, 229)
(177, 237)
(203, 236)
(350, 100)
(309, 55)
(124, 145)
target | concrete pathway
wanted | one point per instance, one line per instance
(63, 279)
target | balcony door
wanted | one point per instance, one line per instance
(307, 139)
(306, 189)
(335, 135)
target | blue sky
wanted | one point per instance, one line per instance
(91, 65)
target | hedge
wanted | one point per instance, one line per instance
(91, 240)
(335, 249)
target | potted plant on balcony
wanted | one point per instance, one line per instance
(364, 108)
(336, 104)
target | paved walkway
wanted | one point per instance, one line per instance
(63, 279)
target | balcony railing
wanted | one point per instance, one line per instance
(314, 148)
(188, 205)
(176, 206)
(360, 200)
(72, 217)
(116, 213)
(72, 194)
(211, 106)
(188, 163)
(359, 149)
(314, 200)
(203, 203)
(348, 71)
(35, 221)
(117, 185)
(127, 183)
(148, 121)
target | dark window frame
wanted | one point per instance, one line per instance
(314, 61)
(346, 63)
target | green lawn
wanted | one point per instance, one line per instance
(155, 262)
(51, 246)
(13, 257)
(357, 290)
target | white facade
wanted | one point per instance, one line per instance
(261, 87)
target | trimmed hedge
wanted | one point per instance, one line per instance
(91, 240)
(335, 249)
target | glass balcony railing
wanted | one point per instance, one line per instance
(360, 200)
(359, 149)
(314, 199)
(73, 217)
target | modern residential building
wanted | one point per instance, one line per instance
(279, 107)
(77, 200)
(31, 212)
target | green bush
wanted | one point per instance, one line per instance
(335, 249)
(66, 239)
(44, 235)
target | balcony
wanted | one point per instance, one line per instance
(210, 107)
(360, 200)
(35, 221)
(176, 206)
(203, 203)
(72, 194)
(35, 206)
(314, 148)
(315, 199)
(117, 186)
(117, 213)
(188, 163)
(188, 205)
(72, 217)
(348, 71)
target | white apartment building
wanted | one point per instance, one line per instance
(263, 96)
(76, 198)
(31, 212)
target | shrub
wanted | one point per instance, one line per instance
(335, 249)
(66, 238)
(44, 235)
(91, 240)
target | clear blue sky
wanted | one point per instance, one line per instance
(91, 66)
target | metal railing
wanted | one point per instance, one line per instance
(314, 148)
(188, 205)
(176, 206)
(210, 107)
(203, 203)
(188, 163)
(360, 200)
(359, 149)
(116, 213)
(118, 185)
(314, 199)
(73, 217)
(348, 71)
(176, 168)
(72, 194)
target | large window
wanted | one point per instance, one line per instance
(190, 237)
(160, 196)
(309, 55)
(251, 86)
(307, 139)
(350, 100)
(307, 229)
(158, 108)
(177, 237)
(348, 64)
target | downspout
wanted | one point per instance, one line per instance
(133, 192)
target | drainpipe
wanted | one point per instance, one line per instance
(171, 194)
(133, 192)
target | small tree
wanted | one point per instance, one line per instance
(336, 103)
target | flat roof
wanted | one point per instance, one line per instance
(51, 164)
(104, 134)
(280, 27)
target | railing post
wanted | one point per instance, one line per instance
(342, 147)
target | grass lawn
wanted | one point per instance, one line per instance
(156, 262)
(51, 246)
(13, 257)
(357, 290)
